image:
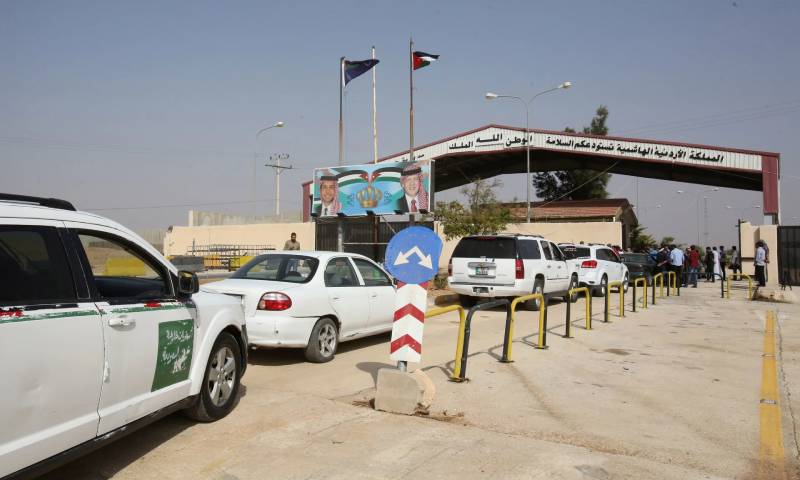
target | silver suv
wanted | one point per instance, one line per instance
(505, 265)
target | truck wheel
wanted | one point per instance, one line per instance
(625, 282)
(323, 341)
(535, 304)
(221, 381)
(466, 301)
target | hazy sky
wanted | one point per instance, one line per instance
(140, 110)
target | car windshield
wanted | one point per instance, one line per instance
(572, 252)
(636, 257)
(490, 247)
(280, 268)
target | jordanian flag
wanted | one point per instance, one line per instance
(422, 59)
(354, 69)
(352, 176)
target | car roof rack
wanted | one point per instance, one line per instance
(44, 202)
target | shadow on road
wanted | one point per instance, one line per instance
(275, 357)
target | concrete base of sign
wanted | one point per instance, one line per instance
(779, 296)
(402, 392)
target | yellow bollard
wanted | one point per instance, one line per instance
(542, 326)
(621, 288)
(460, 342)
(658, 278)
(586, 292)
(643, 282)
(749, 284)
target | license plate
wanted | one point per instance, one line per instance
(481, 289)
(481, 270)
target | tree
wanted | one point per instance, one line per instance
(484, 214)
(640, 241)
(667, 240)
(576, 184)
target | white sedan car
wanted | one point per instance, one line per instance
(312, 300)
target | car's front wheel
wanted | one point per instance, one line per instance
(535, 304)
(573, 283)
(323, 341)
(625, 282)
(602, 289)
(221, 381)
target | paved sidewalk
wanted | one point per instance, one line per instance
(671, 392)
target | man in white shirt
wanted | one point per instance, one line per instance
(761, 263)
(676, 262)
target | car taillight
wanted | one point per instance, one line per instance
(274, 301)
(450, 268)
(519, 268)
(589, 264)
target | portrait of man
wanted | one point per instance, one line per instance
(414, 198)
(329, 196)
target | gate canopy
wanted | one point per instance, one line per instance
(496, 150)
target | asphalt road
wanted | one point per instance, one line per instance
(669, 392)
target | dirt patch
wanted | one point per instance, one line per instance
(617, 351)
(456, 418)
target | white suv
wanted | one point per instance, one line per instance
(100, 335)
(509, 266)
(597, 266)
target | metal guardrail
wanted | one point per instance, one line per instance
(606, 299)
(461, 329)
(509, 335)
(588, 294)
(460, 368)
(672, 279)
(636, 282)
(658, 278)
(738, 276)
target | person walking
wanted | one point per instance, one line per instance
(709, 265)
(686, 269)
(723, 261)
(736, 261)
(292, 243)
(676, 262)
(716, 272)
(694, 265)
(761, 263)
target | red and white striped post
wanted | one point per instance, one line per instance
(409, 322)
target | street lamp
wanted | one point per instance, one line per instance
(495, 96)
(697, 210)
(278, 124)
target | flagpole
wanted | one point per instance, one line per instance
(374, 111)
(411, 100)
(341, 116)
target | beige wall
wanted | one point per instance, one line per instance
(588, 232)
(749, 235)
(180, 239)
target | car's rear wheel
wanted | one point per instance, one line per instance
(466, 301)
(323, 341)
(535, 304)
(602, 289)
(573, 283)
(221, 381)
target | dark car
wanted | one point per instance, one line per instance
(640, 265)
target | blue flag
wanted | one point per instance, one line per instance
(354, 69)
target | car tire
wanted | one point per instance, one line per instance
(466, 301)
(534, 305)
(573, 283)
(602, 289)
(626, 282)
(220, 388)
(323, 342)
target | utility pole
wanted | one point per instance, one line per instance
(276, 158)
(705, 219)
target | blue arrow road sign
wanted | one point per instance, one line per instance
(412, 255)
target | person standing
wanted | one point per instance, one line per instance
(662, 259)
(676, 262)
(709, 265)
(736, 261)
(292, 243)
(717, 271)
(723, 261)
(694, 265)
(761, 263)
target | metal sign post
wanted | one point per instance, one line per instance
(412, 257)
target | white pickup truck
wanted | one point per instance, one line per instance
(101, 335)
(509, 266)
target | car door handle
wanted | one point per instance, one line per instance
(334, 297)
(549, 266)
(121, 321)
(373, 295)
